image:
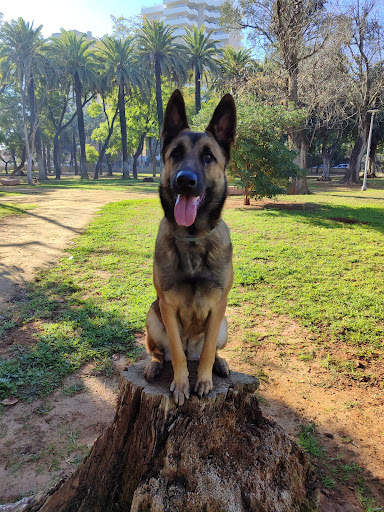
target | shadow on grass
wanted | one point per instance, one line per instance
(333, 217)
(71, 333)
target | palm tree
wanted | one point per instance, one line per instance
(235, 67)
(81, 64)
(123, 70)
(161, 56)
(201, 51)
(21, 46)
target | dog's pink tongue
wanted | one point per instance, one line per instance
(185, 210)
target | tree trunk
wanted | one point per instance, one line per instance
(137, 154)
(159, 98)
(152, 152)
(110, 173)
(56, 155)
(246, 200)
(197, 91)
(123, 128)
(326, 153)
(352, 174)
(80, 123)
(35, 128)
(49, 163)
(218, 453)
(372, 160)
(74, 145)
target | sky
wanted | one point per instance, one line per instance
(82, 15)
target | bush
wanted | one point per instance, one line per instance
(261, 161)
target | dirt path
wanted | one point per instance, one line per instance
(35, 240)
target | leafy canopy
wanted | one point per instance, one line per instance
(261, 160)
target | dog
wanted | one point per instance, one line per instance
(192, 269)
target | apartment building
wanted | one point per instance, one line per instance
(181, 14)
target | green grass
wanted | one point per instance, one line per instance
(8, 209)
(325, 274)
(91, 304)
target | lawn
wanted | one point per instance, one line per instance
(317, 259)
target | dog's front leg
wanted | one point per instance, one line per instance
(204, 382)
(180, 384)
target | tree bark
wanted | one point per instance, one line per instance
(159, 98)
(152, 152)
(35, 127)
(80, 123)
(197, 91)
(352, 174)
(137, 154)
(372, 160)
(74, 145)
(218, 453)
(56, 155)
(123, 128)
(49, 164)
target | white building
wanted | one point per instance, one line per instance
(181, 14)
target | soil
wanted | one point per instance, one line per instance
(44, 441)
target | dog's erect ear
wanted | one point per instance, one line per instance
(223, 123)
(175, 118)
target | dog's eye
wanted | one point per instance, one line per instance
(207, 157)
(178, 153)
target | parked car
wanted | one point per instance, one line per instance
(341, 166)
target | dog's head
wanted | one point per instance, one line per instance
(193, 184)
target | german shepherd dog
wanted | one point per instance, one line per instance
(192, 269)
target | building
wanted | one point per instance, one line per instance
(88, 34)
(181, 14)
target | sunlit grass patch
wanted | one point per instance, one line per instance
(8, 209)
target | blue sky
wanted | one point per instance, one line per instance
(82, 15)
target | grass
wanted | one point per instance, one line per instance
(8, 209)
(298, 262)
(322, 272)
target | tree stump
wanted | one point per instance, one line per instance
(216, 454)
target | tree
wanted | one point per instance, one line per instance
(325, 91)
(21, 46)
(235, 66)
(82, 66)
(365, 78)
(162, 57)
(122, 70)
(261, 162)
(58, 82)
(290, 32)
(201, 55)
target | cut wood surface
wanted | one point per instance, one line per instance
(218, 453)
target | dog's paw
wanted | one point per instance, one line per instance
(203, 386)
(180, 390)
(152, 370)
(221, 367)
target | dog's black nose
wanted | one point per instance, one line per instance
(186, 180)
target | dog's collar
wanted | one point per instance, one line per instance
(192, 238)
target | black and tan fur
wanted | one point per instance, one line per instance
(192, 265)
